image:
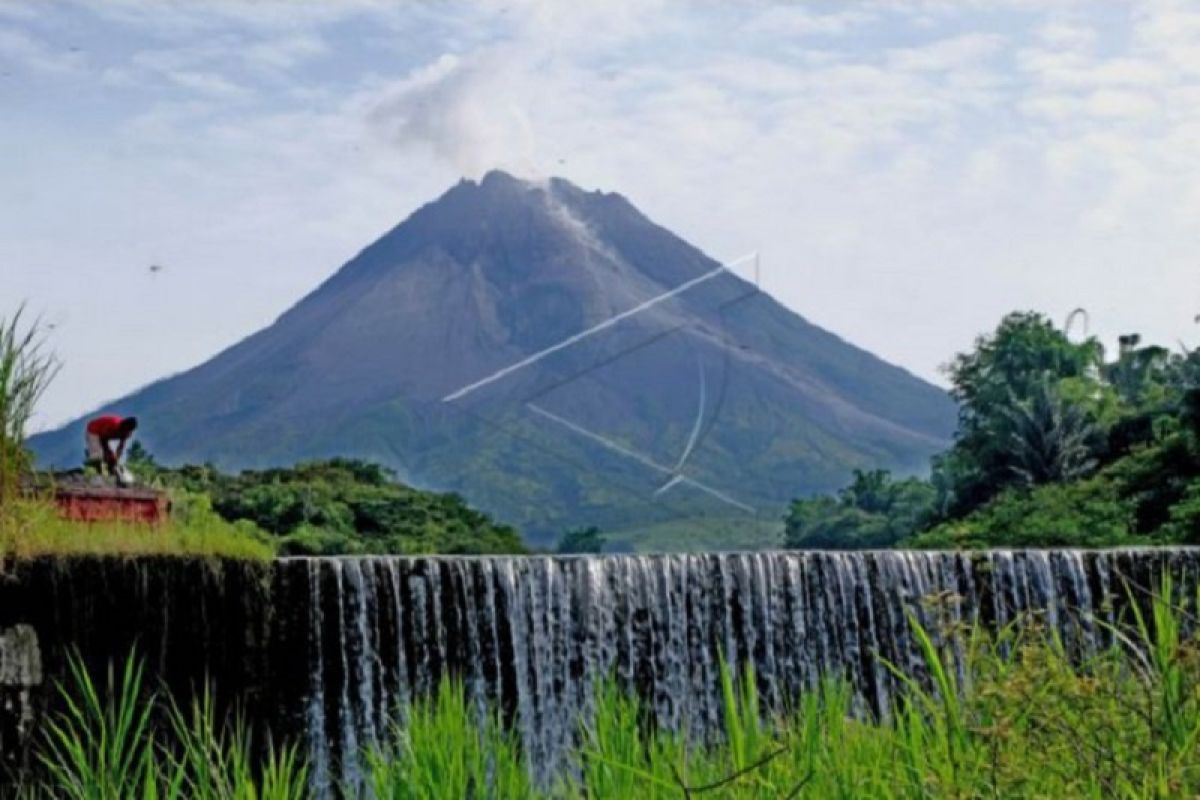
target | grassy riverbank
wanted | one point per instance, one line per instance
(30, 528)
(1026, 723)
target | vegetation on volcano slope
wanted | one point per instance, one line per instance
(1026, 721)
(339, 507)
(1056, 446)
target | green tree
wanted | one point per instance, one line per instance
(998, 385)
(582, 540)
(1086, 513)
(1184, 523)
(873, 511)
(1139, 374)
(1051, 440)
(1055, 446)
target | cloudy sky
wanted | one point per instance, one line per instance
(910, 171)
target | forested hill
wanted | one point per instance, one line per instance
(1058, 445)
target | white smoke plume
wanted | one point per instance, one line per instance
(464, 110)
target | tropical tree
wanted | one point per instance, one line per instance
(1139, 374)
(1001, 386)
(1024, 349)
(1050, 440)
(1055, 446)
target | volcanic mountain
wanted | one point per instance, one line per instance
(559, 360)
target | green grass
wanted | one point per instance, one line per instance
(30, 528)
(117, 740)
(444, 750)
(1028, 722)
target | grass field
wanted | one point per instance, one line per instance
(32, 527)
(1028, 722)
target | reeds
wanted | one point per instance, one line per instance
(26, 370)
(444, 749)
(120, 741)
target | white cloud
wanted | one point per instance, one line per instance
(909, 171)
(796, 20)
(284, 53)
(1122, 104)
(185, 18)
(15, 9)
(209, 83)
(32, 53)
(952, 53)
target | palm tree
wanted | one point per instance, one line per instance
(1136, 369)
(1050, 439)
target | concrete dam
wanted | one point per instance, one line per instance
(324, 651)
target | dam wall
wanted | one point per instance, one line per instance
(324, 650)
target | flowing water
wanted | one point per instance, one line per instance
(532, 636)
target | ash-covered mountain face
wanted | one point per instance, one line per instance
(462, 350)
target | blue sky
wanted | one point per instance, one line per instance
(909, 171)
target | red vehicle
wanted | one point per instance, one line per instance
(85, 503)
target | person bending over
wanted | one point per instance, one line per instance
(102, 434)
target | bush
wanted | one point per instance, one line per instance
(344, 506)
(874, 511)
(1086, 513)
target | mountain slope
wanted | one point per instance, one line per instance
(758, 404)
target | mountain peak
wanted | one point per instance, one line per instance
(500, 272)
(497, 189)
(498, 177)
(497, 183)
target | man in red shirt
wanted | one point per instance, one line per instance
(101, 433)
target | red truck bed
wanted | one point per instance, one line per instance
(102, 503)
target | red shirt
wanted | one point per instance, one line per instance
(107, 427)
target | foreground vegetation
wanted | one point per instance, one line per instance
(1057, 446)
(32, 527)
(1029, 721)
(116, 740)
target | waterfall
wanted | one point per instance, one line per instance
(532, 636)
(327, 651)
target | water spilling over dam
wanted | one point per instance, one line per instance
(326, 649)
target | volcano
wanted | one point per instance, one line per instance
(559, 360)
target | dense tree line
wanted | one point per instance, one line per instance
(1056, 445)
(339, 506)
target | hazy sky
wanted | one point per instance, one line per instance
(910, 171)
